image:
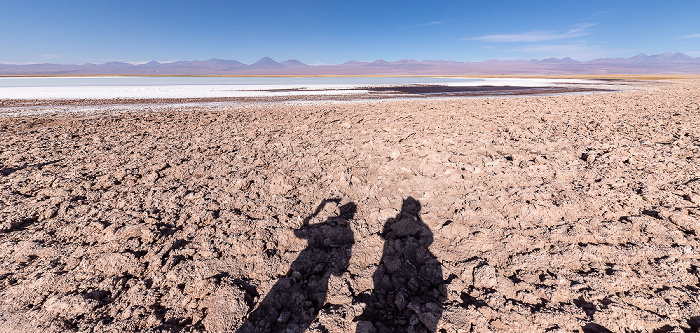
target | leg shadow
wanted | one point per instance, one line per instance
(295, 300)
(408, 285)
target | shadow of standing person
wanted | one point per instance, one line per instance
(296, 298)
(408, 284)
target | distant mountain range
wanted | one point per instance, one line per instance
(667, 63)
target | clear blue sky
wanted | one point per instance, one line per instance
(328, 31)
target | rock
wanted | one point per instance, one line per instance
(485, 277)
(400, 300)
(430, 316)
(338, 290)
(284, 317)
(112, 264)
(69, 305)
(226, 308)
(364, 326)
(151, 177)
(694, 198)
(685, 222)
(104, 182)
(48, 213)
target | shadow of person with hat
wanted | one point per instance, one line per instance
(296, 298)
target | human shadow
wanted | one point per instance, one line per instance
(408, 285)
(296, 298)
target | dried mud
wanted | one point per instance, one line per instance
(560, 213)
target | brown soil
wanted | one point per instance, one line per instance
(559, 213)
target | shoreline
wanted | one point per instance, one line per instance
(376, 93)
(293, 92)
(76, 90)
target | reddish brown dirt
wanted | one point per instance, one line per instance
(563, 213)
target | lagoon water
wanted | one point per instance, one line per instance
(109, 87)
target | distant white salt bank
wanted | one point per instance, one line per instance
(130, 87)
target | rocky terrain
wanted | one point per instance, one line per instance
(572, 213)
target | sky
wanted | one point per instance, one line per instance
(335, 31)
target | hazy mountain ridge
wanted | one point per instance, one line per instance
(666, 63)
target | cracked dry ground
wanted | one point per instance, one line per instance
(563, 213)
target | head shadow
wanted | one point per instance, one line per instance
(408, 223)
(333, 232)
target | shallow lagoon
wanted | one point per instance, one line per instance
(215, 87)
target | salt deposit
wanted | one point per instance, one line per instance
(196, 87)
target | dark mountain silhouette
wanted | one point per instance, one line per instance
(210, 65)
(676, 57)
(380, 62)
(566, 60)
(213, 63)
(113, 64)
(406, 61)
(265, 63)
(666, 63)
(292, 63)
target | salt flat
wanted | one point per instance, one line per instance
(18, 88)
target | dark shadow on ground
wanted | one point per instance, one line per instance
(694, 323)
(595, 328)
(9, 171)
(20, 225)
(295, 300)
(408, 284)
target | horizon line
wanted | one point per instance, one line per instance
(162, 62)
